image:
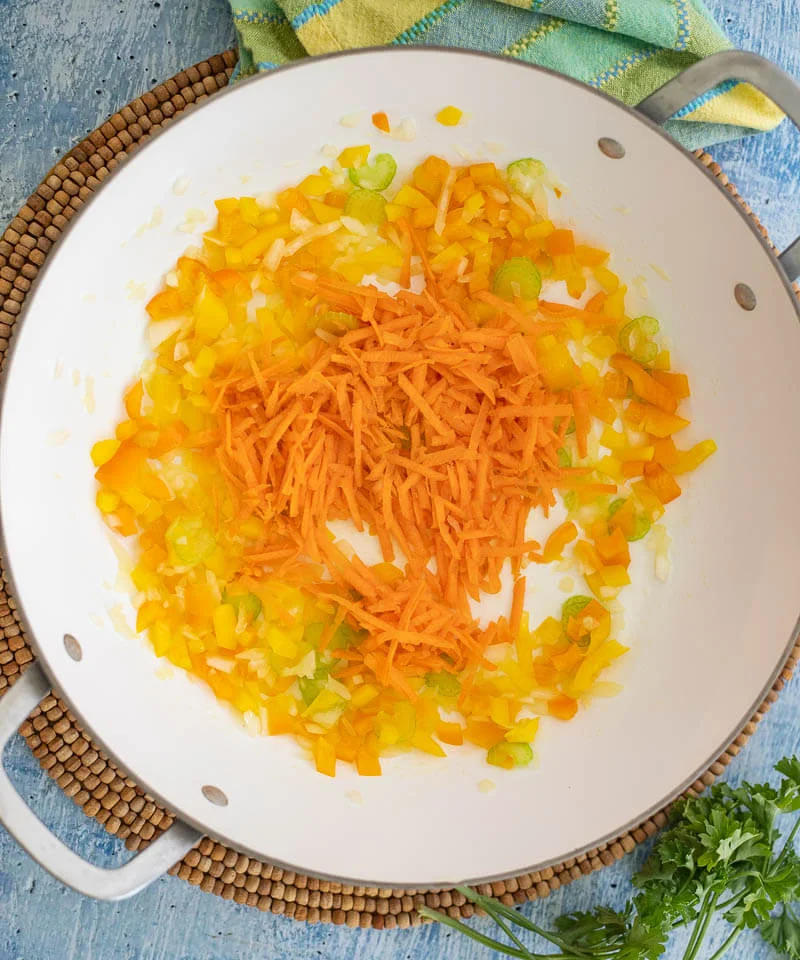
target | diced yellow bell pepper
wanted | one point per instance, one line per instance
(449, 116)
(225, 626)
(523, 732)
(103, 451)
(354, 156)
(160, 637)
(107, 501)
(363, 695)
(408, 196)
(325, 756)
(211, 315)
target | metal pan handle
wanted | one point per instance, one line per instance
(706, 74)
(29, 831)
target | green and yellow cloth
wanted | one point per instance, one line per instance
(627, 48)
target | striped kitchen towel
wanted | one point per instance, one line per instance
(627, 48)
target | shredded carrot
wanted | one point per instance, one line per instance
(381, 121)
(295, 394)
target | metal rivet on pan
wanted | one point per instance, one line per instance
(215, 795)
(745, 296)
(72, 647)
(611, 148)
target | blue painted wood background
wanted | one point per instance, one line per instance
(65, 65)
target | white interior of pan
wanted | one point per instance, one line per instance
(704, 645)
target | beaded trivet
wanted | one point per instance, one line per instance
(82, 770)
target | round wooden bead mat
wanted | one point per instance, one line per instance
(82, 770)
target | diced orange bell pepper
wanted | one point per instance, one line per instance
(483, 173)
(133, 400)
(423, 217)
(148, 613)
(170, 437)
(544, 672)
(676, 383)
(601, 408)
(615, 385)
(660, 424)
(558, 539)
(368, 763)
(166, 304)
(199, 601)
(560, 243)
(483, 733)
(122, 470)
(587, 555)
(590, 257)
(661, 482)
(325, 756)
(665, 452)
(451, 733)
(644, 385)
(279, 717)
(381, 121)
(562, 707)
(613, 548)
(571, 657)
(347, 749)
(192, 274)
(463, 188)
(633, 468)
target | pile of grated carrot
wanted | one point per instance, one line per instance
(335, 354)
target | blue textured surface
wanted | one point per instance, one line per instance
(64, 66)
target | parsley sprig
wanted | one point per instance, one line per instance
(723, 853)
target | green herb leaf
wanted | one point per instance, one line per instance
(783, 932)
(722, 853)
(789, 789)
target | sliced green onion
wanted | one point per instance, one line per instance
(570, 500)
(247, 603)
(570, 427)
(572, 608)
(446, 684)
(517, 277)
(564, 457)
(614, 506)
(376, 175)
(509, 755)
(368, 206)
(641, 527)
(524, 174)
(641, 524)
(310, 689)
(635, 339)
(346, 636)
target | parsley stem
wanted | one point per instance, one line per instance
(722, 907)
(495, 906)
(701, 926)
(498, 919)
(789, 842)
(478, 937)
(727, 944)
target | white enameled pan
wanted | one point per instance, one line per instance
(706, 646)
